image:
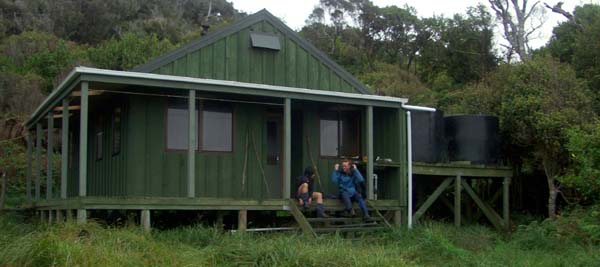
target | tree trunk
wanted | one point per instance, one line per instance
(553, 194)
(2, 192)
(551, 170)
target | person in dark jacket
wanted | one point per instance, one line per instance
(348, 178)
(306, 192)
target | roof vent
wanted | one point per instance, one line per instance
(265, 40)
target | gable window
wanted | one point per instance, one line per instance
(177, 124)
(217, 127)
(116, 131)
(339, 133)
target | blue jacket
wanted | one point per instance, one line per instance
(347, 183)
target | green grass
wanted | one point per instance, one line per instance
(430, 244)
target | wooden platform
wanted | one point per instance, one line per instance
(165, 203)
(455, 174)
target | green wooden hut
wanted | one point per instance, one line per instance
(266, 104)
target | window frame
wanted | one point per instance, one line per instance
(166, 127)
(115, 130)
(200, 143)
(99, 143)
(359, 133)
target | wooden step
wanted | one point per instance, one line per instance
(342, 219)
(348, 229)
(366, 224)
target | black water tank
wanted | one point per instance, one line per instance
(473, 138)
(428, 141)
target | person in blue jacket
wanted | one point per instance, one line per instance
(347, 179)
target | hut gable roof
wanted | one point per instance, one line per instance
(261, 49)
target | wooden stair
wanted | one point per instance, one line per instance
(314, 226)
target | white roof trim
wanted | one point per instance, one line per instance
(152, 76)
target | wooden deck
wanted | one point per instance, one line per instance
(174, 203)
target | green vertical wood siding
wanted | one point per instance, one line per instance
(233, 58)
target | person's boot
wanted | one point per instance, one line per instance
(346, 213)
(366, 216)
(304, 197)
(321, 211)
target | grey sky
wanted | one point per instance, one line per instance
(294, 13)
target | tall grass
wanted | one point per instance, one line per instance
(429, 244)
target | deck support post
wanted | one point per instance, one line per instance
(242, 220)
(81, 216)
(50, 218)
(397, 217)
(42, 216)
(49, 155)
(69, 215)
(287, 148)
(457, 200)
(191, 179)
(505, 202)
(219, 220)
(370, 185)
(29, 166)
(145, 220)
(64, 163)
(38, 160)
(83, 143)
(59, 216)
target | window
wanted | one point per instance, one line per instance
(177, 124)
(116, 131)
(99, 145)
(339, 134)
(217, 127)
(273, 141)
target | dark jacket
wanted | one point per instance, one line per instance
(305, 179)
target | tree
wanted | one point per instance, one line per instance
(577, 42)
(515, 24)
(584, 151)
(459, 48)
(537, 102)
(128, 51)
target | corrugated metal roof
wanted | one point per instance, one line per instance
(81, 74)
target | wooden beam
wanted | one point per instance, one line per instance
(83, 141)
(457, 200)
(242, 220)
(91, 92)
(287, 148)
(64, 152)
(492, 216)
(63, 107)
(505, 201)
(38, 160)
(49, 156)
(370, 185)
(464, 170)
(300, 219)
(438, 191)
(191, 164)
(29, 165)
